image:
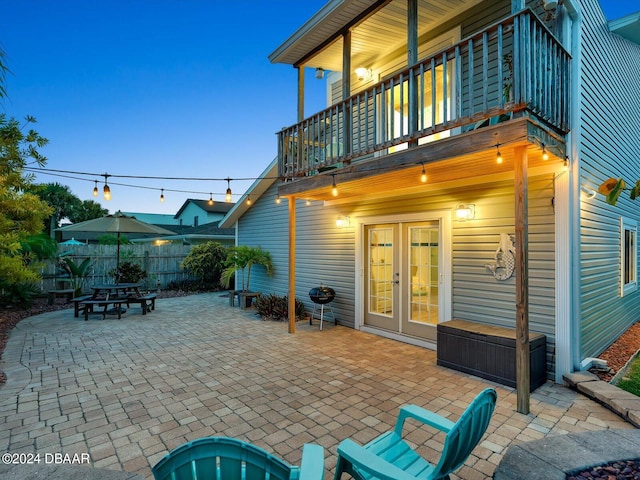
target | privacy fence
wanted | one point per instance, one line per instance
(162, 263)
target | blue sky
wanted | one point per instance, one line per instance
(162, 88)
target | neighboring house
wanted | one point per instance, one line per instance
(515, 114)
(194, 213)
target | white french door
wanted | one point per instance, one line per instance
(406, 276)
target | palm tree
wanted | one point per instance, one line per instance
(242, 257)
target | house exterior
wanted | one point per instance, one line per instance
(453, 173)
(195, 212)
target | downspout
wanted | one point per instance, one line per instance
(572, 34)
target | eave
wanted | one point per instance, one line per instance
(627, 27)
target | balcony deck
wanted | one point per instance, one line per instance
(508, 84)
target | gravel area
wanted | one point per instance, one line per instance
(621, 470)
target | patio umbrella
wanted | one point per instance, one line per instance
(117, 223)
(73, 241)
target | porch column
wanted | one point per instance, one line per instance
(523, 372)
(292, 264)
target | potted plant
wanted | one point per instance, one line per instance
(242, 258)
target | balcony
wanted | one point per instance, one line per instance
(512, 69)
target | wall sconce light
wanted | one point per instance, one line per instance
(319, 73)
(343, 222)
(364, 74)
(465, 211)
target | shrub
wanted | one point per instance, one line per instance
(128, 272)
(276, 307)
(206, 262)
(18, 294)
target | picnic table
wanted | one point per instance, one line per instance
(116, 295)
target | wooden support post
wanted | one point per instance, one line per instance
(523, 370)
(412, 59)
(292, 264)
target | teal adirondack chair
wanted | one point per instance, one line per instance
(232, 459)
(389, 457)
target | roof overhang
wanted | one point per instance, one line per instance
(627, 27)
(255, 191)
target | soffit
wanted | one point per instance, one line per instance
(627, 27)
(384, 31)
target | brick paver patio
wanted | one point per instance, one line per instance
(127, 391)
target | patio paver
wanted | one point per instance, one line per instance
(128, 391)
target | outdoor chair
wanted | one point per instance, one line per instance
(232, 459)
(389, 457)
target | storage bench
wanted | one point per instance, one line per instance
(489, 352)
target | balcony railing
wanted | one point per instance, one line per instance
(512, 66)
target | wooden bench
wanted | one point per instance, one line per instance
(242, 298)
(52, 294)
(147, 302)
(78, 306)
(90, 304)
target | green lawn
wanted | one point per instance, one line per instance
(631, 381)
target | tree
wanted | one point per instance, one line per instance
(242, 257)
(206, 261)
(87, 210)
(61, 200)
(21, 212)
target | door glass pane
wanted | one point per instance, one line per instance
(423, 265)
(381, 271)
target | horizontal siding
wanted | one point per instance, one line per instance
(324, 253)
(609, 147)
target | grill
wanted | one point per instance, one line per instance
(322, 296)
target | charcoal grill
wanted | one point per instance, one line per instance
(322, 296)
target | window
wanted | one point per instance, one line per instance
(195, 221)
(628, 256)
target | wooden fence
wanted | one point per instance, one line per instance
(162, 263)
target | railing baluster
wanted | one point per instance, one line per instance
(445, 89)
(471, 77)
(421, 107)
(434, 100)
(458, 84)
(501, 85)
(485, 72)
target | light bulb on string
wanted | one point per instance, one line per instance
(498, 154)
(162, 195)
(278, 199)
(423, 176)
(545, 155)
(228, 196)
(334, 187)
(95, 189)
(106, 191)
(210, 198)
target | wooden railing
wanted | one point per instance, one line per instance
(513, 66)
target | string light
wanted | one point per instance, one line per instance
(308, 202)
(210, 198)
(248, 199)
(334, 187)
(565, 164)
(106, 191)
(278, 199)
(228, 196)
(498, 154)
(423, 177)
(162, 195)
(95, 189)
(545, 155)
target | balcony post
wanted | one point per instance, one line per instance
(292, 264)
(523, 372)
(300, 69)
